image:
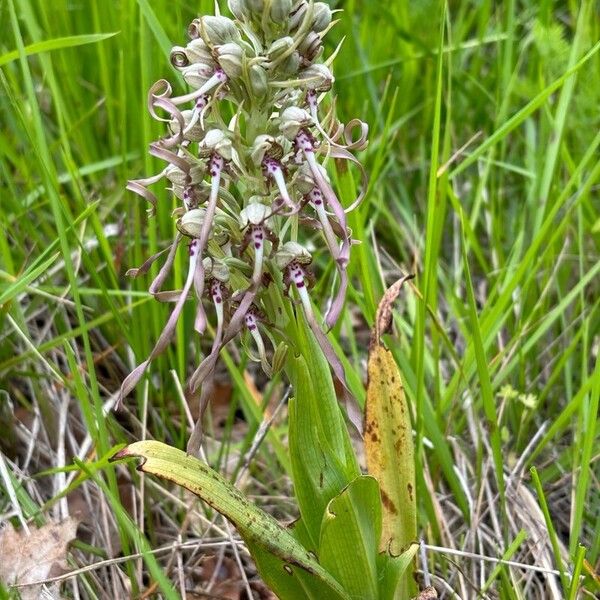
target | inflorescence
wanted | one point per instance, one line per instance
(245, 151)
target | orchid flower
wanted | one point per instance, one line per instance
(252, 318)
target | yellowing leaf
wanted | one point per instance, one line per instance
(389, 443)
(289, 569)
(389, 450)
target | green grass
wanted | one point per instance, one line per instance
(485, 169)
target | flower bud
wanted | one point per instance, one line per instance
(263, 146)
(292, 120)
(254, 214)
(322, 16)
(279, 47)
(229, 56)
(197, 75)
(258, 80)
(292, 252)
(216, 269)
(280, 10)
(304, 181)
(218, 30)
(198, 52)
(195, 133)
(237, 8)
(190, 223)
(215, 141)
(192, 195)
(316, 77)
(291, 64)
(177, 177)
(311, 46)
(294, 113)
(297, 16)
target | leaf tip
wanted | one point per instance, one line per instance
(383, 319)
(129, 452)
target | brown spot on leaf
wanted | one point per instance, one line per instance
(387, 502)
(399, 444)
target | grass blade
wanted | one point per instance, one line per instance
(55, 44)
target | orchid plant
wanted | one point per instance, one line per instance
(246, 153)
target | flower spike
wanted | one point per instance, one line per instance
(245, 154)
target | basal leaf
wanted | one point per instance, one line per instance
(330, 414)
(391, 573)
(389, 449)
(350, 537)
(288, 568)
(389, 443)
(318, 471)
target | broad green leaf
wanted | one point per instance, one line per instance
(391, 570)
(329, 412)
(299, 531)
(300, 585)
(288, 568)
(350, 537)
(389, 450)
(318, 472)
(56, 44)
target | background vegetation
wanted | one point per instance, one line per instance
(484, 163)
